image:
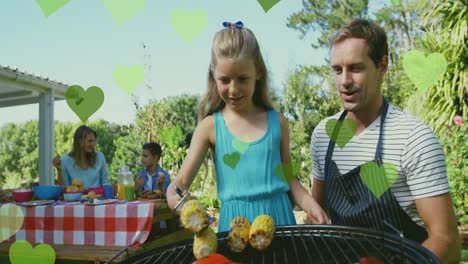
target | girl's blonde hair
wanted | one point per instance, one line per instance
(234, 43)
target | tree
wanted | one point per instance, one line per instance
(447, 33)
(446, 23)
(169, 113)
(19, 154)
(127, 153)
(309, 98)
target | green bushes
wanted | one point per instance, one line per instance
(454, 141)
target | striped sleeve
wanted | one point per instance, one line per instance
(317, 171)
(424, 163)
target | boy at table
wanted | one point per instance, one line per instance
(152, 181)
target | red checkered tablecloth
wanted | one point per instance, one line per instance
(118, 224)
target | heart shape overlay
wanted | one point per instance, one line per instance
(346, 133)
(84, 103)
(287, 172)
(129, 78)
(189, 24)
(231, 159)
(171, 136)
(267, 4)
(11, 220)
(378, 178)
(423, 71)
(240, 145)
(48, 7)
(21, 252)
(123, 10)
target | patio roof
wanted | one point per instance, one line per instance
(21, 88)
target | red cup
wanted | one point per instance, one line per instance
(22, 195)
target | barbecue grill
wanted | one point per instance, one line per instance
(304, 244)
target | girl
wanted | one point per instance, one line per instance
(249, 139)
(83, 162)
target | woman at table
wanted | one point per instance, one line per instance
(83, 162)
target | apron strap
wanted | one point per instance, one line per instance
(378, 150)
(331, 144)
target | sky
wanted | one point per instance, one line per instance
(81, 44)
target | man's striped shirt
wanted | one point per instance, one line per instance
(407, 143)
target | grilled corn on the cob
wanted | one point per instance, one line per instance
(261, 232)
(205, 243)
(193, 216)
(238, 237)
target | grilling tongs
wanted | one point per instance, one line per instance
(185, 197)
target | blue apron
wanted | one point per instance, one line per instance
(351, 203)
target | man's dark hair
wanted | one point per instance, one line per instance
(368, 30)
(154, 148)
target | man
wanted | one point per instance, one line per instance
(346, 180)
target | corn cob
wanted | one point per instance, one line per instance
(261, 232)
(238, 237)
(205, 243)
(193, 216)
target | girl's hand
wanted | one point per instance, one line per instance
(57, 162)
(316, 215)
(173, 197)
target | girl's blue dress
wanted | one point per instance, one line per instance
(247, 183)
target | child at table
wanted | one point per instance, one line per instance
(236, 107)
(152, 177)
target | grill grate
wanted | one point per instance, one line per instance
(304, 244)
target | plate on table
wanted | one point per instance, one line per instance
(36, 203)
(157, 200)
(101, 202)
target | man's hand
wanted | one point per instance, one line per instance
(317, 215)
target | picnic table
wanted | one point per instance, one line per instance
(96, 233)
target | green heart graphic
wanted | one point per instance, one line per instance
(378, 178)
(267, 4)
(423, 71)
(84, 104)
(189, 24)
(129, 78)
(48, 7)
(171, 136)
(21, 252)
(123, 10)
(395, 2)
(231, 159)
(287, 172)
(11, 220)
(346, 133)
(240, 145)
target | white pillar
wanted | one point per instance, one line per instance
(46, 138)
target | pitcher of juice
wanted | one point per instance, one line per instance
(125, 185)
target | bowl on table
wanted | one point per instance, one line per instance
(47, 192)
(72, 196)
(22, 195)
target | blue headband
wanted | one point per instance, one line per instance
(238, 24)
